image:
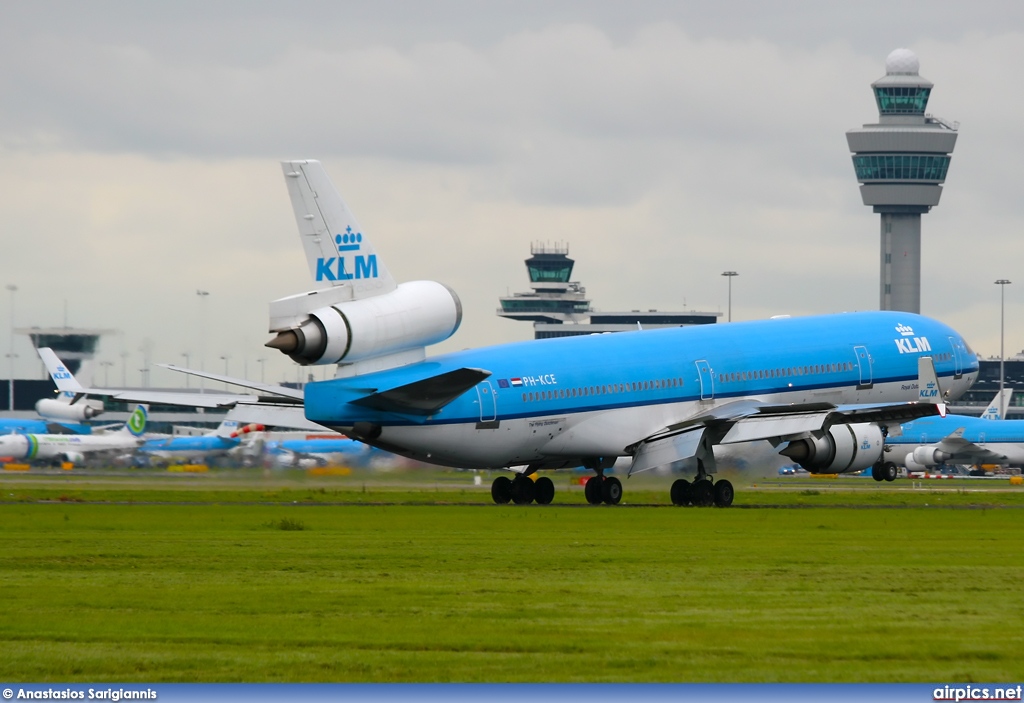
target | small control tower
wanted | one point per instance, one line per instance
(901, 163)
(558, 307)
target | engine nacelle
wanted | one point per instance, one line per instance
(412, 316)
(15, 446)
(77, 412)
(843, 449)
(913, 466)
(929, 456)
(76, 458)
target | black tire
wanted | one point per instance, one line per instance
(889, 471)
(543, 490)
(501, 490)
(593, 490)
(702, 493)
(723, 493)
(611, 491)
(876, 472)
(680, 492)
(522, 491)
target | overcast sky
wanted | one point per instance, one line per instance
(666, 142)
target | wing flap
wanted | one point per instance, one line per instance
(666, 450)
(427, 396)
(773, 426)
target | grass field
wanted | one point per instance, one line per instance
(122, 579)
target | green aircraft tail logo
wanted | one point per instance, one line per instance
(137, 421)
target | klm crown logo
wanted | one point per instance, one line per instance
(908, 343)
(337, 268)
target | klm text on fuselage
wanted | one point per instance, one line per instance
(334, 268)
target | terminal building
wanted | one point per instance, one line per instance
(559, 307)
(901, 163)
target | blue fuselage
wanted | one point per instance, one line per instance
(576, 396)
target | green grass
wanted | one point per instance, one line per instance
(234, 590)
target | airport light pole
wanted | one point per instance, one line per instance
(730, 275)
(203, 295)
(261, 361)
(106, 372)
(10, 355)
(1002, 283)
(187, 366)
(225, 357)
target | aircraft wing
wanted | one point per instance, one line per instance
(269, 389)
(966, 451)
(751, 420)
(748, 421)
(195, 400)
(293, 416)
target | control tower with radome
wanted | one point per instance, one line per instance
(901, 163)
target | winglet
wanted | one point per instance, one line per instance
(62, 378)
(928, 390)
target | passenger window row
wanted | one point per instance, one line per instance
(609, 389)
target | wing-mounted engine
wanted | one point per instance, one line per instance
(928, 456)
(328, 327)
(842, 449)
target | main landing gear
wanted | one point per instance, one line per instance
(603, 489)
(522, 490)
(702, 493)
(884, 471)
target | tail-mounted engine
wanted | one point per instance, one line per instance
(75, 412)
(317, 328)
(843, 449)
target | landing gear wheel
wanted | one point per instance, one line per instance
(501, 490)
(889, 471)
(611, 491)
(702, 493)
(522, 491)
(593, 490)
(680, 492)
(876, 472)
(543, 490)
(723, 493)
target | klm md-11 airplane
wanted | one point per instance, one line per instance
(826, 387)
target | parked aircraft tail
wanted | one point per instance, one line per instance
(997, 408)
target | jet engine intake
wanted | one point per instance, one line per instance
(842, 449)
(413, 315)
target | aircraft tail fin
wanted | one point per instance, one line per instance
(928, 389)
(997, 408)
(226, 428)
(136, 424)
(62, 377)
(337, 250)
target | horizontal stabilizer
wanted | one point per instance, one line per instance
(424, 397)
